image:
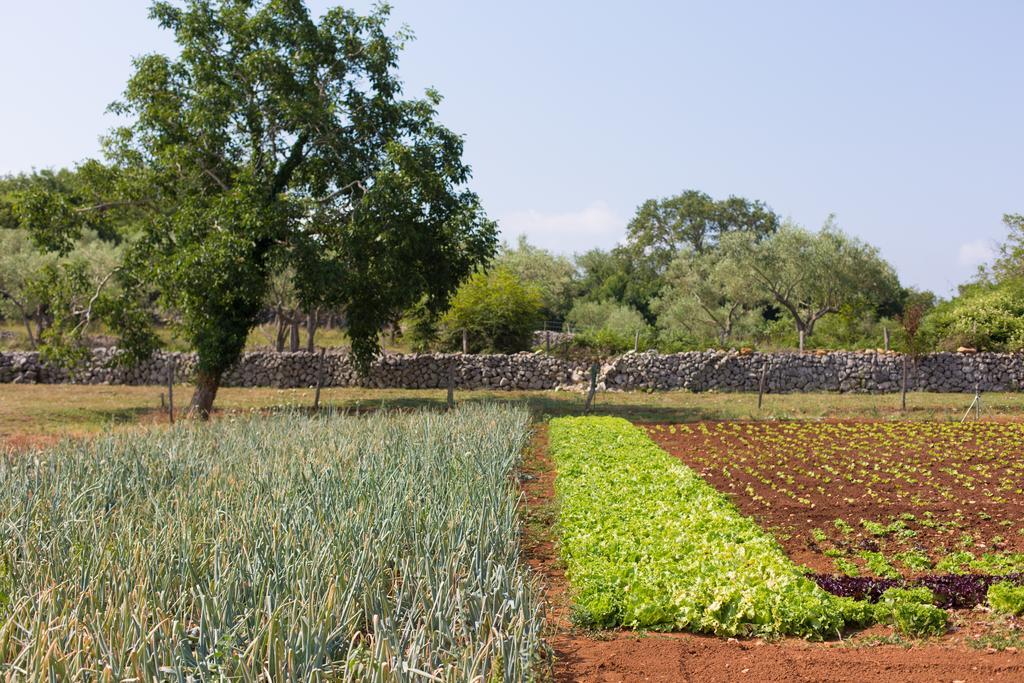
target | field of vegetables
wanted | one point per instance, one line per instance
(649, 543)
(272, 548)
(870, 499)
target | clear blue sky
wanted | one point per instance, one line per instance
(904, 118)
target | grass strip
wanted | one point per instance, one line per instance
(649, 544)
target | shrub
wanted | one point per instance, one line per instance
(608, 326)
(985, 316)
(1006, 597)
(498, 311)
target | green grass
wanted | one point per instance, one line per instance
(288, 547)
(649, 544)
(75, 409)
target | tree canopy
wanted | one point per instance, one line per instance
(617, 276)
(693, 220)
(272, 142)
(555, 276)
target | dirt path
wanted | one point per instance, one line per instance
(614, 656)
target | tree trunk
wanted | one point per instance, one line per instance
(294, 345)
(207, 384)
(312, 322)
(279, 345)
(28, 330)
(40, 322)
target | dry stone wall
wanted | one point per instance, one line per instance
(840, 371)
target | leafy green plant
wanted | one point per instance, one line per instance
(954, 562)
(999, 563)
(846, 567)
(649, 544)
(1006, 597)
(915, 560)
(878, 565)
(843, 526)
(912, 612)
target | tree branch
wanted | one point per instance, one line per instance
(85, 314)
(106, 206)
(216, 179)
(284, 174)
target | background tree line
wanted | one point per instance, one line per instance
(693, 273)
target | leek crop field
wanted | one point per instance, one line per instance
(278, 548)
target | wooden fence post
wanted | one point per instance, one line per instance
(636, 341)
(170, 391)
(903, 386)
(319, 380)
(465, 341)
(801, 341)
(451, 383)
(760, 384)
(547, 341)
(593, 386)
(885, 337)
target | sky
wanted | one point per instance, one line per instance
(904, 118)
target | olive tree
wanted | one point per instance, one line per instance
(811, 274)
(273, 142)
(706, 295)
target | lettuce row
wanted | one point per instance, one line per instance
(649, 544)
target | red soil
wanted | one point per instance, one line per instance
(941, 506)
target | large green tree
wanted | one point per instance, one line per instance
(273, 142)
(812, 274)
(1009, 264)
(693, 221)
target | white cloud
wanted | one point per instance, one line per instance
(975, 253)
(565, 232)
